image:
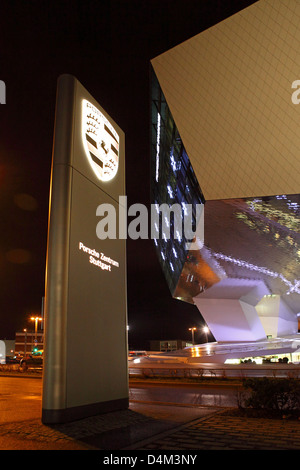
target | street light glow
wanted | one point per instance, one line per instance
(193, 330)
(36, 320)
(206, 331)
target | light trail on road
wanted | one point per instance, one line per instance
(188, 395)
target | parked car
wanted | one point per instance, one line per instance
(11, 360)
(31, 362)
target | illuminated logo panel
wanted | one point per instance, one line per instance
(101, 142)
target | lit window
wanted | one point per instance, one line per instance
(170, 191)
(173, 163)
(157, 146)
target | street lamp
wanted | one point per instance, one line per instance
(36, 320)
(25, 342)
(193, 330)
(206, 330)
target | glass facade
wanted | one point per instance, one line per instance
(173, 182)
(245, 239)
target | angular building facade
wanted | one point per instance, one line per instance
(225, 134)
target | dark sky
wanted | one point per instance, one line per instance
(107, 45)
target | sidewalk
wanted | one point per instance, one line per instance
(218, 431)
(154, 427)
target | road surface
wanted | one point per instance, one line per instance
(21, 397)
(184, 394)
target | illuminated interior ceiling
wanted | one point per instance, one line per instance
(258, 239)
(200, 272)
(229, 90)
(247, 242)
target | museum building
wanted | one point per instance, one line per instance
(225, 135)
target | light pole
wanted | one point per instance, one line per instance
(206, 330)
(25, 342)
(193, 330)
(36, 320)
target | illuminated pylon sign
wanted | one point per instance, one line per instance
(101, 142)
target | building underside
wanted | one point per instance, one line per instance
(225, 135)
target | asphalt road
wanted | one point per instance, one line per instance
(21, 397)
(21, 426)
(184, 394)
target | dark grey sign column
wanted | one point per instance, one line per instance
(85, 351)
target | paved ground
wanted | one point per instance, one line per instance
(144, 426)
(218, 431)
(154, 427)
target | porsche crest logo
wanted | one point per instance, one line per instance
(101, 142)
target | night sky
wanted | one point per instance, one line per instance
(107, 46)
